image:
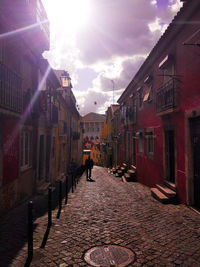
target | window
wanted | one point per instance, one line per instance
(141, 142)
(133, 110)
(25, 149)
(168, 73)
(53, 146)
(150, 143)
(168, 67)
(140, 93)
(148, 94)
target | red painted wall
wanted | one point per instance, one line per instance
(187, 70)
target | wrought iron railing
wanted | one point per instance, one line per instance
(10, 89)
(167, 96)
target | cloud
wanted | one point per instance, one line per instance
(117, 27)
(118, 36)
(91, 101)
(118, 79)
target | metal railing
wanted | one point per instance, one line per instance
(167, 96)
(10, 89)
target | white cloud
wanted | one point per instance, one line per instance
(115, 42)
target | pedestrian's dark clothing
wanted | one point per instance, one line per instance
(88, 166)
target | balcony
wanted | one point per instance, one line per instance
(10, 90)
(167, 97)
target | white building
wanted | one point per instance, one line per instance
(92, 124)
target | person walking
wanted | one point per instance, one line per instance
(88, 166)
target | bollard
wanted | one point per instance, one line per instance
(66, 190)
(75, 181)
(72, 177)
(49, 207)
(30, 230)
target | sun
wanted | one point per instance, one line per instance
(67, 16)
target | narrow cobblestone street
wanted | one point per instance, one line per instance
(109, 211)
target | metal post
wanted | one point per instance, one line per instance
(66, 190)
(60, 195)
(59, 200)
(72, 177)
(75, 181)
(49, 207)
(30, 230)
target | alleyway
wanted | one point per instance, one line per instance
(109, 211)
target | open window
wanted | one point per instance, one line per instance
(148, 89)
(167, 65)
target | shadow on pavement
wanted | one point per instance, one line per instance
(13, 226)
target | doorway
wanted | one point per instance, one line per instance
(170, 156)
(41, 157)
(195, 136)
(48, 153)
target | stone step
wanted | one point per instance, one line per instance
(131, 172)
(166, 191)
(127, 176)
(171, 185)
(114, 170)
(159, 195)
(120, 173)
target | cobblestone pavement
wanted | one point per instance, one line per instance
(109, 211)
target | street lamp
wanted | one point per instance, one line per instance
(65, 80)
(66, 84)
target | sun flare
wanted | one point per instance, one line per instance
(67, 16)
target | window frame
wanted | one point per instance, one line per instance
(25, 150)
(150, 138)
(141, 143)
(140, 97)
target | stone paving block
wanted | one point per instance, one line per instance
(108, 212)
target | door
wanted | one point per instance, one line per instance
(195, 135)
(170, 156)
(48, 153)
(41, 158)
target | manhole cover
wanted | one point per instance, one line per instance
(111, 255)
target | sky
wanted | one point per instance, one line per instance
(103, 43)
